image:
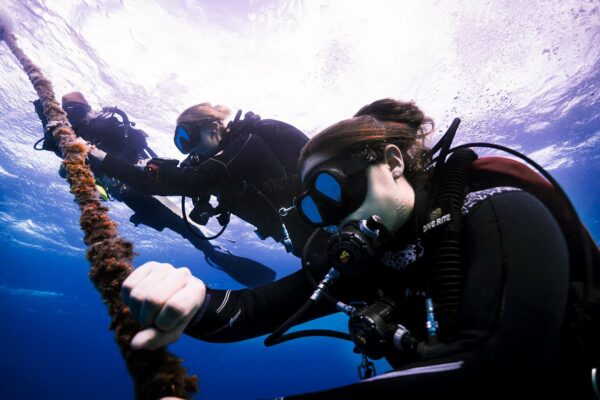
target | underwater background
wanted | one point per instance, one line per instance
(520, 74)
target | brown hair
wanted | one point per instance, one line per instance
(375, 125)
(203, 113)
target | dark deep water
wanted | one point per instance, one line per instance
(525, 76)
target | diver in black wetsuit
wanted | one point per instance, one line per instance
(496, 331)
(248, 164)
(126, 143)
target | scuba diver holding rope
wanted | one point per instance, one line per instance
(470, 276)
(111, 131)
(247, 163)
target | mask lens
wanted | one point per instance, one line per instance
(310, 210)
(328, 186)
(76, 112)
(183, 140)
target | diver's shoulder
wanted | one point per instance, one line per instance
(476, 198)
(501, 202)
(279, 127)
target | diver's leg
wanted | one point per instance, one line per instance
(160, 213)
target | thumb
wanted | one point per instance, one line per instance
(153, 338)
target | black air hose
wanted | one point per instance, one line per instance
(446, 250)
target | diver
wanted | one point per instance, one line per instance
(111, 131)
(462, 287)
(248, 164)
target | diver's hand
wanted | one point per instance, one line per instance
(93, 151)
(97, 153)
(164, 299)
(81, 141)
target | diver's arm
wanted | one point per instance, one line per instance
(167, 300)
(518, 273)
(233, 315)
(96, 153)
(209, 176)
(513, 299)
(168, 180)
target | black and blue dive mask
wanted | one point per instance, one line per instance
(186, 140)
(334, 189)
(76, 112)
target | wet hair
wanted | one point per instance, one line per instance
(374, 126)
(204, 113)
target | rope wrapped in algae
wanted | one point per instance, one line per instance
(156, 374)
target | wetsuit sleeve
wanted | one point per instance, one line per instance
(234, 315)
(511, 313)
(169, 181)
(209, 176)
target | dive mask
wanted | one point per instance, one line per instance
(186, 140)
(76, 112)
(334, 189)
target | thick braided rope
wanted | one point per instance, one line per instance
(157, 373)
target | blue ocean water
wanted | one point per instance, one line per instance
(54, 331)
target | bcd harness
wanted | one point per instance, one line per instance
(203, 210)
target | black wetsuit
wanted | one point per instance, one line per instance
(253, 175)
(128, 146)
(108, 134)
(509, 325)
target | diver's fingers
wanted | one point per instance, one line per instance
(134, 278)
(153, 338)
(165, 289)
(146, 286)
(182, 306)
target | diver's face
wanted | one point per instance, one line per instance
(76, 112)
(388, 194)
(209, 141)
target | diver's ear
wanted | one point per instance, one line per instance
(394, 160)
(214, 127)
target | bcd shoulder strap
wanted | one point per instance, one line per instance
(441, 228)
